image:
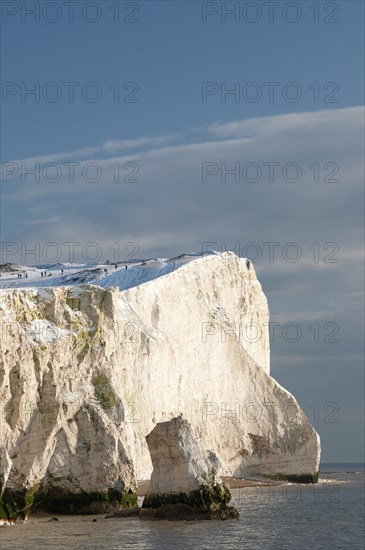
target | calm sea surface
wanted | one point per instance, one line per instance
(327, 516)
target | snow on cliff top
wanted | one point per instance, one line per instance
(123, 275)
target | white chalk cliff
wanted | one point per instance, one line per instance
(87, 371)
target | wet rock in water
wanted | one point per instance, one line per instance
(126, 513)
(184, 484)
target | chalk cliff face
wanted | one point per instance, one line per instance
(87, 372)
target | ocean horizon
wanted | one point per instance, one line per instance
(341, 466)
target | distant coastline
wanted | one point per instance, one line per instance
(341, 467)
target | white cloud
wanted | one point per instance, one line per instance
(272, 125)
(119, 145)
(171, 201)
(109, 146)
(42, 221)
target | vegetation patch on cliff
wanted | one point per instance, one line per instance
(104, 392)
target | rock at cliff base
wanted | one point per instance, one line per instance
(184, 484)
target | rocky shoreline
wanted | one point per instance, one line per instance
(41, 514)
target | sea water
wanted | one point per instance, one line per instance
(329, 515)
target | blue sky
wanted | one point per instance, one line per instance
(171, 138)
(169, 53)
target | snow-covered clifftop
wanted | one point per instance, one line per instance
(87, 372)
